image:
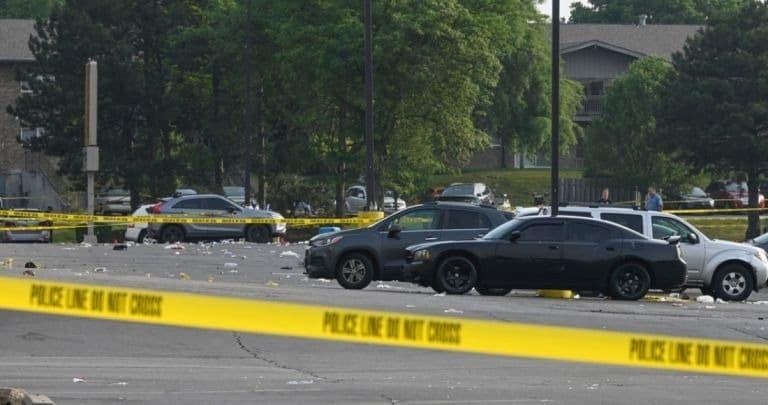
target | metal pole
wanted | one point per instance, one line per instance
(248, 119)
(555, 200)
(90, 148)
(370, 182)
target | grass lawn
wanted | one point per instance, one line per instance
(518, 184)
(725, 229)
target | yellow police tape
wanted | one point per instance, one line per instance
(184, 219)
(386, 328)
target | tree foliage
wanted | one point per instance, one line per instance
(27, 9)
(658, 11)
(622, 144)
(715, 113)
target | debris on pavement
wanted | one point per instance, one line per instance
(86, 244)
(384, 286)
(184, 276)
(721, 301)
(210, 279)
(29, 272)
(442, 294)
(289, 253)
(705, 299)
(300, 382)
(30, 265)
(710, 307)
(175, 246)
(453, 311)
(286, 268)
(271, 284)
(230, 265)
(100, 270)
(120, 246)
(78, 380)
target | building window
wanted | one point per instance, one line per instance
(25, 89)
(595, 88)
(27, 134)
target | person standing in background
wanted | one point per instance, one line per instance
(605, 197)
(653, 201)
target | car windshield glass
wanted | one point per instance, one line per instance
(234, 191)
(761, 239)
(460, 189)
(501, 231)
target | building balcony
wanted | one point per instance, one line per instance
(591, 108)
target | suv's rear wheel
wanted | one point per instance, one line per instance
(258, 234)
(732, 282)
(172, 234)
(630, 281)
(354, 271)
(456, 275)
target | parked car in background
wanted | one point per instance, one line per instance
(693, 198)
(760, 241)
(356, 257)
(356, 200)
(732, 194)
(138, 231)
(235, 193)
(726, 270)
(550, 253)
(184, 191)
(213, 206)
(114, 201)
(34, 236)
(473, 193)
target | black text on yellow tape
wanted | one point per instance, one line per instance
(386, 328)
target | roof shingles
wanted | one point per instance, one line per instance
(651, 40)
(14, 40)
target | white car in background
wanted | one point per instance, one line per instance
(356, 201)
(137, 232)
(725, 270)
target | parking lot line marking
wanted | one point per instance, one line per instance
(386, 328)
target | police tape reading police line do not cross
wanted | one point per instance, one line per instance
(96, 300)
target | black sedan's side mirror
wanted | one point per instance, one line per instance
(513, 236)
(394, 230)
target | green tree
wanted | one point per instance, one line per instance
(34, 9)
(658, 11)
(715, 113)
(622, 144)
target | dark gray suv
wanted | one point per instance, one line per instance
(357, 257)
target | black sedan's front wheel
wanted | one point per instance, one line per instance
(456, 275)
(630, 281)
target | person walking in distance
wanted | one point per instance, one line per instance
(653, 201)
(605, 197)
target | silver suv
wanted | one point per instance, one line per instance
(212, 206)
(726, 270)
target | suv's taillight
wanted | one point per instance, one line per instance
(155, 209)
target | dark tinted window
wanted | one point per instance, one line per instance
(193, 204)
(631, 221)
(582, 232)
(575, 213)
(460, 219)
(216, 204)
(541, 233)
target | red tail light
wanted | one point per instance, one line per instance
(155, 209)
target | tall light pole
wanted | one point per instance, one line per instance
(90, 148)
(248, 118)
(555, 200)
(370, 184)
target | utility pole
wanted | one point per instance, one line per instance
(370, 183)
(555, 200)
(90, 148)
(248, 119)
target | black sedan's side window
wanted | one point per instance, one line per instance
(462, 219)
(581, 232)
(542, 233)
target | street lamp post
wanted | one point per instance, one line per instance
(555, 200)
(370, 183)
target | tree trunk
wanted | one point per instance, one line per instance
(262, 151)
(753, 227)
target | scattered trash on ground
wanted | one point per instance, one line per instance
(120, 383)
(760, 302)
(100, 270)
(300, 382)
(710, 307)
(86, 245)
(230, 265)
(385, 286)
(30, 265)
(210, 279)
(286, 268)
(271, 284)
(78, 380)
(453, 311)
(289, 253)
(121, 246)
(705, 299)
(442, 294)
(29, 272)
(184, 276)
(721, 301)
(410, 306)
(175, 246)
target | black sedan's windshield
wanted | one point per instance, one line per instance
(502, 230)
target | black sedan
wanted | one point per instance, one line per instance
(571, 253)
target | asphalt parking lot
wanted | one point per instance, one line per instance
(76, 361)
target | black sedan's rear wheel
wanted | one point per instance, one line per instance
(258, 234)
(172, 234)
(498, 292)
(630, 281)
(456, 275)
(355, 271)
